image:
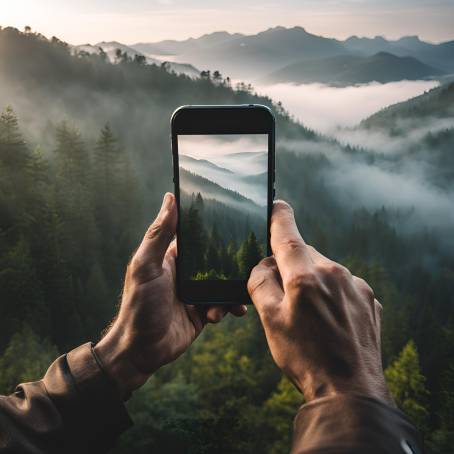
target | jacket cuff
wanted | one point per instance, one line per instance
(353, 424)
(91, 409)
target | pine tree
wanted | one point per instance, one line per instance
(193, 241)
(25, 359)
(231, 263)
(22, 292)
(407, 385)
(280, 410)
(72, 159)
(16, 184)
(14, 153)
(199, 204)
(79, 238)
(447, 413)
(107, 157)
(249, 255)
(108, 195)
(215, 252)
(442, 440)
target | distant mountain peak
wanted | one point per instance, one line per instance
(384, 54)
(281, 29)
(109, 43)
(408, 39)
(220, 34)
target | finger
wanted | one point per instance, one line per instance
(288, 246)
(201, 315)
(169, 259)
(197, 316)
(378, 309)
(264, 287)
(172, 250)
(155, 243)
(238, 310)
(214, 314)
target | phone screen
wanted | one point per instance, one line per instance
(223, 205)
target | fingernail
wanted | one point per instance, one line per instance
(167, 202)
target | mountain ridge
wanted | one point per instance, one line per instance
(192, 183)
(189, 159)
(381, 67)
(435, 103)
(110, 49)
(239, 55)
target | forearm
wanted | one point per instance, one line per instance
(353, 424)
(74, 408)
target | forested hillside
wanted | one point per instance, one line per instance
(436, 104)
(353, 69)
(84, 161)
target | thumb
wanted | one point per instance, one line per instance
(265, 289)
(158, 236)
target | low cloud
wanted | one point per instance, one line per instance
(412, 132)
(325, 108)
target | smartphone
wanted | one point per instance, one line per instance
(223, 158)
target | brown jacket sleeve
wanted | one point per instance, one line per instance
(74, 408)
(354, 425)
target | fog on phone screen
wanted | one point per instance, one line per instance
(223, 204)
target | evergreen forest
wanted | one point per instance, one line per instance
(209, 255)
(84, 161)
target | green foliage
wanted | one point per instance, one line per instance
(408, 386)
(25, 359)
(249, 254)
(209, 275)
(166, 416)
(66, 231)
(280, 411)
(224, 381)
(206, 255)
(75, 198)
(442, 440)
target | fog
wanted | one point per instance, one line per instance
(413, 131)
(324, 108)
(393, 180)
(140, 119)
(373, 187)
(190, 186)
(235, 162)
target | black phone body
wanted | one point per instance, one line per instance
(223, 158)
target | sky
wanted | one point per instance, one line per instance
(131, 21)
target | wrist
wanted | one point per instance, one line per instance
(117, 362)
(371, 386)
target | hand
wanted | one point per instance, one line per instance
(153, 327)
(322, 324)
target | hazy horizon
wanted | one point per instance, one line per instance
(232, 32)
(144, 21)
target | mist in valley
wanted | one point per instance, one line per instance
(388, 170)
(373, 192)
(325, 108)
(238, 162)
